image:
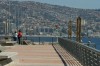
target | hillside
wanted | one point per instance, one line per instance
(42, 12)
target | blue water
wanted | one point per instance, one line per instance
(93, 40)
(42, 39)
(54, 39)
(96, 41)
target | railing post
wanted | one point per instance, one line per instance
(39, 39)
(52, 40)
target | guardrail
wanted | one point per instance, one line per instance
(87, 56)
(35, 39)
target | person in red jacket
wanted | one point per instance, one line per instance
(19, 36)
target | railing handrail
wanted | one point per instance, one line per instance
(34, 39)
(87, 56)
(34, 36)
(96, 50)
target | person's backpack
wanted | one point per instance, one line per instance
(19, 34)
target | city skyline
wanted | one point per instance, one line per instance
(84, 4)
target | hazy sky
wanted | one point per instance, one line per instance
(88, 4)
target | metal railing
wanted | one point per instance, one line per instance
(35, 39)
(87, 56)
(41, 39)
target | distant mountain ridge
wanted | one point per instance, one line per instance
(42, 12)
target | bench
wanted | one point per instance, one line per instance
(8, 43)
(3, 58)
(7, 57)
(69, 60)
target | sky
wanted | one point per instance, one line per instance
(85, 4)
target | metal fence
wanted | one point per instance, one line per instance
(87, 56)
(35, 39)
(41, 39)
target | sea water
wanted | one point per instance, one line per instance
(54, 39)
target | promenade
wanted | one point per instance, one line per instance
(35, 55)
(64, 53)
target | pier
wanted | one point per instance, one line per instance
(33, 50)
(36, 55)
(64, 53)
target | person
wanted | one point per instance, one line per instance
(15, 36)
(89, 42)
(19, 36)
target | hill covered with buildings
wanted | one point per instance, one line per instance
(46, 12)
(30, 14)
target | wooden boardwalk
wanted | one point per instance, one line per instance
(68, 59)
(35, 55)
(42, 55)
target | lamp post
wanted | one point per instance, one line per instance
(69, 29)
(78, 29)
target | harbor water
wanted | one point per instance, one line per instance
(41, 39)
(54, 39)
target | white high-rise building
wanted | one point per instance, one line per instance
(83, 22)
